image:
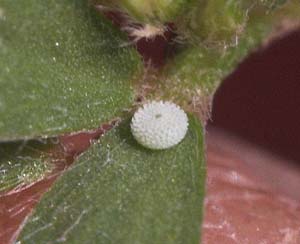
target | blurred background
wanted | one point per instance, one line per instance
(260, 101)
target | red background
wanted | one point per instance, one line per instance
(260, 101)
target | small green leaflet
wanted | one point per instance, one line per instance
(24, 162)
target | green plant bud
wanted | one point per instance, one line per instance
(150, 11)
(222, 23)
(215, 21)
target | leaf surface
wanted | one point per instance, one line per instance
(63, 68)
(120, 192)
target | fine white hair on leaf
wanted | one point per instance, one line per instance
(159, 125)
(146, 31)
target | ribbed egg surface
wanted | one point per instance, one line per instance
(159, 125)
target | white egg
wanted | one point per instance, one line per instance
(159, 125)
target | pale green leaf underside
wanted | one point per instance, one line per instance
(120, 192)
(62, 68)
(23, 163)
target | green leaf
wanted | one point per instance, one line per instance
(120, 192)
(63, 68)
(23, 163)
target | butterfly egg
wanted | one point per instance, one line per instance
(159, 125)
